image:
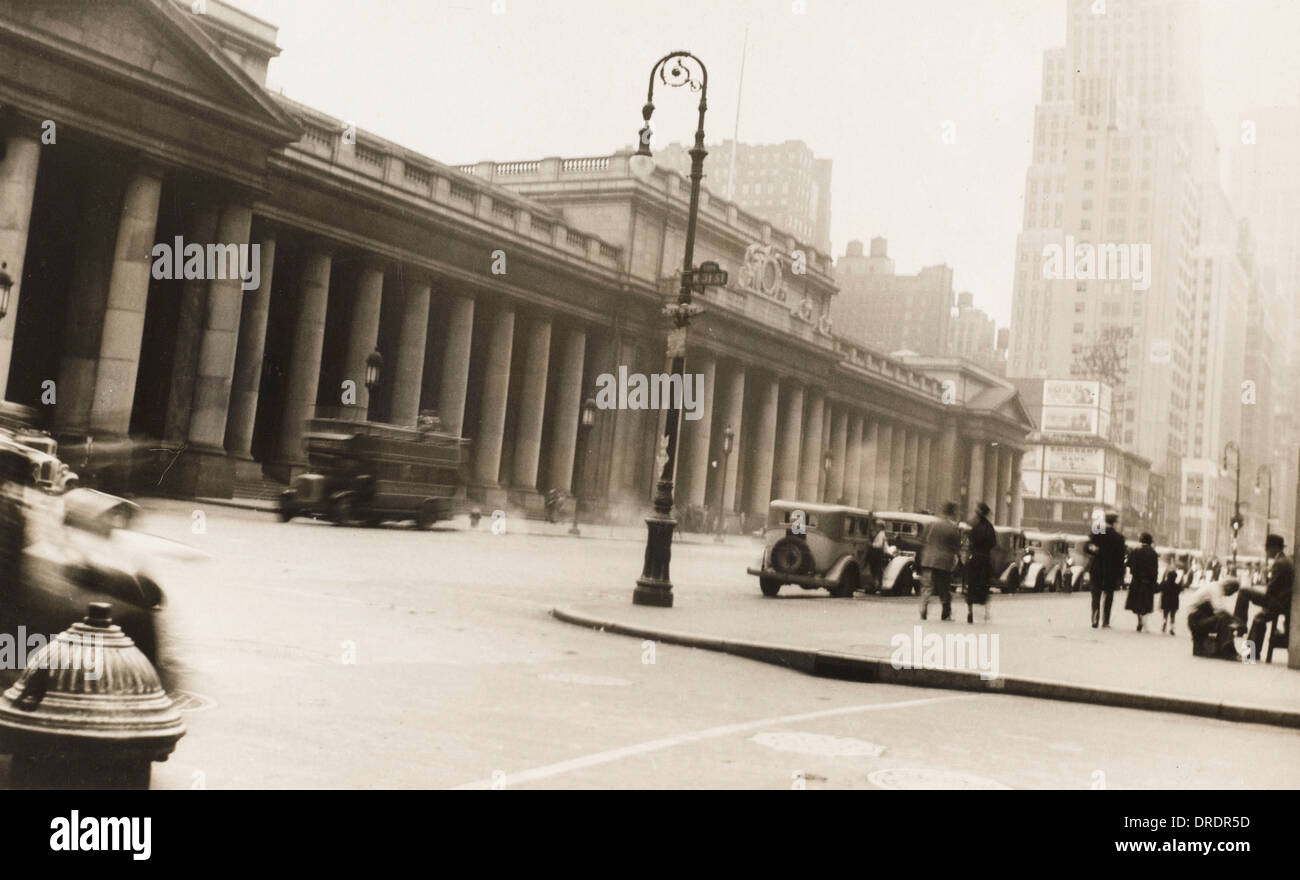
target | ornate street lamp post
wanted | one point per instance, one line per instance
(728, 438)
(374, 367)
(676, 69)
(6, 285)
(1236, 503)
(587, 419)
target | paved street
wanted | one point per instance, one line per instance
(462, 677)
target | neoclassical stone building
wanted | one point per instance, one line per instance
(496, 293)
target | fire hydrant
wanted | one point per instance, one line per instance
(88, 712)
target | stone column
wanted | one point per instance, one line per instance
(867, 477)
(924, 497)
(813, 448)
(455, 365)
(1017, 501)
(839, 455)
(976, 479)
(760, 485)
(853, 460)
(252, 347)
(17, 187)
(787, 475)
(363, 336)
(897, 461)
(496, 392)
(216, 364)
(1005, 500)
(128, 294)
(303, 378)
(884, 459)
(532, 403)
(733, 416)
(189, 330)
(991, 460)
(624, 468)
(911, 467)
(87, 296)
(948, 467)
(698, 432)
(568, 410)
(408, 371)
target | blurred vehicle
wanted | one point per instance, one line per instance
(47, 473)
(373, 472)
(814, 546)
(46, 586)
(1049, 555)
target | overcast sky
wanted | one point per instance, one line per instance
(866, 83)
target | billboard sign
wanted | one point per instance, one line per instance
(1070, 420)
(1031, 484)
(1071, 392)
(1075, 459)
(1033, 459)
(1069, 487)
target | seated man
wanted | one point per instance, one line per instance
(1274, 599)
(1213, 628)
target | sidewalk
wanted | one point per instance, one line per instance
(1045, 648)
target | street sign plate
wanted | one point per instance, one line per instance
(709, 274)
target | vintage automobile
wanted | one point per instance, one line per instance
(374, 472)
(814, 546)
(1050, 553)
(1076, 563)
(56, 579)
(906, 535)
(47, 473)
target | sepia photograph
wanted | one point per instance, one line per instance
(881, 395)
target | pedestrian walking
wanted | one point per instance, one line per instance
(982, 541)
(1170, 587)
(1107, 571)
(938, 558)
(1144, 564)
(876, 556)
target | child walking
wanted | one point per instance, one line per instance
(1169, 589)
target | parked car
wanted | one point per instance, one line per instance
(814, 546)
(906, 535)
(1076, 563)
(1050, 554)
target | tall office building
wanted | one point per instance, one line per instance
(1105, 279)
(887, 311)
(1265, 189)
(973, 334)
(784, 184)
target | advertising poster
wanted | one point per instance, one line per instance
(1069, 487)
(1031, 484)
(1075, 459)
(1069, 420)
(1070, 392)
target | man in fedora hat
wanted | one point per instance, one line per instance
(983, 539)
(1274, 599)
(1107, 569)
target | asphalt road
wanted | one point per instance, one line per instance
(326, 657)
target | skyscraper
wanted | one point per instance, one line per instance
(888, 311)
(1106, 263)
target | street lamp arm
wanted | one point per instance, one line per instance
(679, 74)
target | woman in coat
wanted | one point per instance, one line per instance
(1145, 565)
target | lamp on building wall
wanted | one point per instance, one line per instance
(6, 285)
(374, 369)
(585, 421)
(654, 586)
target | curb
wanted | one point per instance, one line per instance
(874, 670)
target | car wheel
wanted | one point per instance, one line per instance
(791, 555)
(1040, 583)
(903, 584)
(285, 512)
(1058, 585)
(848, 584)
(769, 586)
(427, 516)
(341, 510)
(1013, 582)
